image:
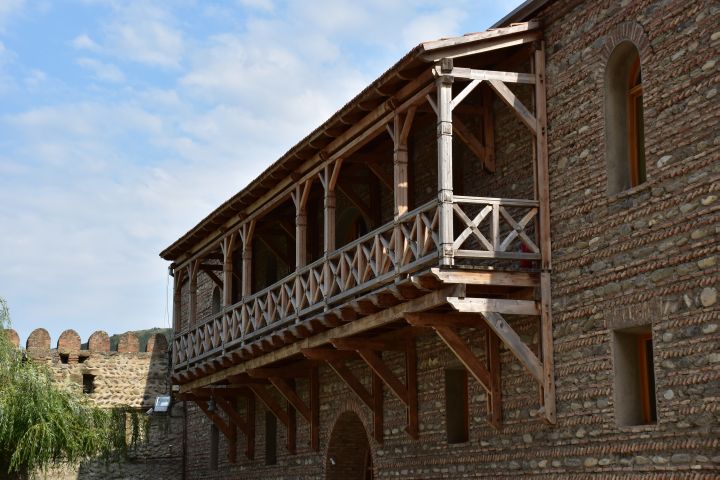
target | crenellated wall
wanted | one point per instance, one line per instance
(125, 377)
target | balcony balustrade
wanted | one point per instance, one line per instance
(494, 232)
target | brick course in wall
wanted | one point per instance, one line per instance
(646, 256)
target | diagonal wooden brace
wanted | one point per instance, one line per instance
(407, 393)
(487, 376)
(287, 418)
(336, 360)
(226, 428)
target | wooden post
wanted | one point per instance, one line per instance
(177, 300)
(300, 228)
(329, 211)
(329, 178)
(247, 231)
(192, 271)
(401, 132)
(228, 245)
(543, 191)
(444, 143)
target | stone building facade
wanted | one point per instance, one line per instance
(631, 264)
(124, 378)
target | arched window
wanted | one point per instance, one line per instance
(216, 301)
(624, 128)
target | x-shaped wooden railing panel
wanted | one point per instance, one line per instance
(490, 227)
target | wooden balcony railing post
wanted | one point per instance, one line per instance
(444, 143)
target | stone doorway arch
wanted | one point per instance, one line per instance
(349, 456)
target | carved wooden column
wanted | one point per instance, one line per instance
(300, 197)
(444, 143)
(192, 271)
(328, 179)
(246, 234)
(177, 300)
(228, 245)
(401, 131)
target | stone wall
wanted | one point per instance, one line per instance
(647, 256)
(126, 378)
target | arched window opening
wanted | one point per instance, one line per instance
(624, 122)
(216, 301)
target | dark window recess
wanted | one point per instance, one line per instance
(64, 358)
(88, 383)
(214, 446)
(216, 301)
(270, 439)
(635, 400)
(456, 405)
(82, 358)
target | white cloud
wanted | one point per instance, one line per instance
(266, 5)
(84, 42)
(145, 33)
(8, 9)
(103, 71)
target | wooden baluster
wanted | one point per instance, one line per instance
(444, 142)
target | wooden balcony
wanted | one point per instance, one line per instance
(457, 263)
(490, 237)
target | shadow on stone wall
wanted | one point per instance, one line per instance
(126, 378)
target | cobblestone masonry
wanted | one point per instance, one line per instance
(122, 378)
(646, 256)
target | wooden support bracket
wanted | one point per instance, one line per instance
(406, 393)
(336, 360)
(286, 417)
(488, 377)
(226, 428)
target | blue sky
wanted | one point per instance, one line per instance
(124, 123)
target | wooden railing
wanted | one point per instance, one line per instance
(490, 230)
(497, 228)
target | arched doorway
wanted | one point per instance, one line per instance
(349, 456)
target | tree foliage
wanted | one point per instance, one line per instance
(42, 422)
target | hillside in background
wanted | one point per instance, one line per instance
(142, 335)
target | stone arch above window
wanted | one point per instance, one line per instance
(623, 55)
